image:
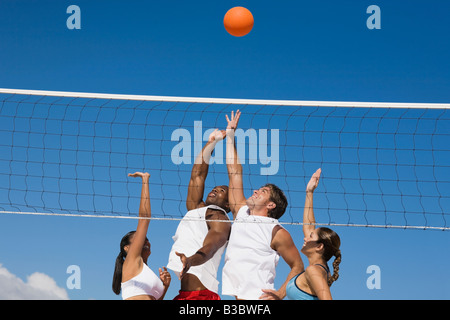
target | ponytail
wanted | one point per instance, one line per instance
(117, 277)
(331, 242)
(336, 263)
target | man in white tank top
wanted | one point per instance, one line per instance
(201, 236)
(257, 239)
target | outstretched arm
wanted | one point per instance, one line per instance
(236, 197)
(216, 237)
(135, 249)
(282, 242)
(308, 212)
(199, 172)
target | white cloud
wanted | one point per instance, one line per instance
(38, 286)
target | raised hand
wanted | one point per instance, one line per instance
(233, 123)
(217, 135)
(314, 181)
(143, 175)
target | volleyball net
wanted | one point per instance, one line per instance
(66, 153)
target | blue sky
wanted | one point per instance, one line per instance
(299, 51)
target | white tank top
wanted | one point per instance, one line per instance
(188, 239)
(250, 262)
(145, 283)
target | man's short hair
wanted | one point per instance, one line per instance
(277, 196)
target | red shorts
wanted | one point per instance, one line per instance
(197, 295)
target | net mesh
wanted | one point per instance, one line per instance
(384, 167)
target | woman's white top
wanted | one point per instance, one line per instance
(145, 283)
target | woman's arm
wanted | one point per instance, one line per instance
(308, 212)
(135, 249)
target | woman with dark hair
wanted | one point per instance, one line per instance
(319, 246)
(132, 276)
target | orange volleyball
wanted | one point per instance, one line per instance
(238, 21)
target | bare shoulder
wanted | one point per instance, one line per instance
(281, 237)
(217, 220)
(280, 233)
(212, 214)
(315, 270)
